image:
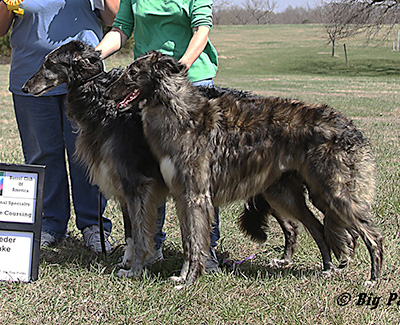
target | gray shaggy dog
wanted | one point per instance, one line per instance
(269, 151)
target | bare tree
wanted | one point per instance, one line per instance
(340, 19)
(261, 10)
(377, 11)
(294, 15)
(378, 16)
(240, 16)
(388, 4)
(219, 10)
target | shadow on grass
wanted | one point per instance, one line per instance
(72, 253)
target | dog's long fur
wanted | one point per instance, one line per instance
(265, 150)
(110, 143)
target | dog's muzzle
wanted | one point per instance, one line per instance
(128, 99)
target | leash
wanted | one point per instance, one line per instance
(230, 264)
(101, 226)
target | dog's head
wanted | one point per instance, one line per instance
(142, 79)
(74, 61)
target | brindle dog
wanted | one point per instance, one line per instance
(265, 150)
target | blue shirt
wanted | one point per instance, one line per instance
(45, 26)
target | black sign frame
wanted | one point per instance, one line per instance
(36, 226)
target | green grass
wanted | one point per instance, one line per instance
(76, 287)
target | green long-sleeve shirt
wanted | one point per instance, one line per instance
(167, 26)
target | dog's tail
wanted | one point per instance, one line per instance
(254, 220)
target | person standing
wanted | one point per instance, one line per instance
(47, 135)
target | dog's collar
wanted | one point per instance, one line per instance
(94, 77)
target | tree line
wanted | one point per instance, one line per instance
(257, 12)
(340, 18)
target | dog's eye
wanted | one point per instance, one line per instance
(51, 62)
(133, 72)
(48, 64)
(129, 78)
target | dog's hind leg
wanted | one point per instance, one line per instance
(373, 239)
(254, 223)
(341, 230)
(286, 197)
(291, 229)
(342, 239)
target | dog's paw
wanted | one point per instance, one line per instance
(326, 274)
(370, 283)
(125, 274)
(344, 263)
(127, 259)
(276, 263)
(125, 264)
(179, 287)
(177, 279)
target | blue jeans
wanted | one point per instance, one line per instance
(47, 136)
(159, 237)
(204, 83)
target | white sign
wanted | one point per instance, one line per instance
(17, 196)
(21, 206)
(15, 255)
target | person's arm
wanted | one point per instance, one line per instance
(197, 44)
(111, 42)
(110, 11)
(121, 31)
(201, 22)
(6, 19)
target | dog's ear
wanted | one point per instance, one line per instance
(169, 65)
(84, 59)
(77, 58)
(83, 53)
(76, 46)
(154, 55)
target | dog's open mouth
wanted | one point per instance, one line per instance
(128, 99)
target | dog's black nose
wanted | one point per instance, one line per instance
(25, 89)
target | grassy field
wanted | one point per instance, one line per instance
(76, 287)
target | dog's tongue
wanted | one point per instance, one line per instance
(129, 98)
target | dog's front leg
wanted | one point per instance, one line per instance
(128, 254)
(195, 213)
(183, 216)
(199, 236)
(142, 216)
